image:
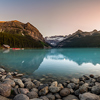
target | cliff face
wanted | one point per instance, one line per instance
(21, 28)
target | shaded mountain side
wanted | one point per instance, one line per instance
(81, 39)
(19, 41)
(20, 28)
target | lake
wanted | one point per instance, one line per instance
(52, 64)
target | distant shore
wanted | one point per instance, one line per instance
(13, 86)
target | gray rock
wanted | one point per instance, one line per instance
(36, 99)
(19, 82)
(74, 80)
(9, 81)
(21, 97)
(43, 91)
(98, 79)
(5, 90)
(77, 92)
(29, 85)
(19, 75)
(54, 89)
(70, 97)
(86, 77)
(32, 95)
(88, 96)
(51, 97)
(83, 88)
(54, 84)
(44, 98)
(71, 85)
(96, 89)
(65, 92)
(81, 83)
(37, 83)
(2, 70)
(9, 76)
(23, 90)
(42, 86)
(26, 80)
(3, 77)
(35, 90)
(57, 96)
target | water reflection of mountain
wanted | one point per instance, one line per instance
(80, 55)
(24, 61)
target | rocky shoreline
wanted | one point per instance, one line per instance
(14, 87)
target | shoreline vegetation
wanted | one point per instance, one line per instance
(14, 86)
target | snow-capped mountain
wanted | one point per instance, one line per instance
(54, 40)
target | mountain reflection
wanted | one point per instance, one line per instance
(79, 56)
(24, 60)
(62, 61)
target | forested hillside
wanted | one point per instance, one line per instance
(17, 40)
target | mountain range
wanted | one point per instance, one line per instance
(25, 35)
(18, 34)
(77, 39)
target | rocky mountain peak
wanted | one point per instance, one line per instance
(18, 27)
(79, 31)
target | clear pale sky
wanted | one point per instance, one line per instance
(53, 17)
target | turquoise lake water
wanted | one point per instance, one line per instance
(53, 64)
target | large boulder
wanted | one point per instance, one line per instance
(65, 92)
(89, 96)
(5, 90)
(19, 82)
(21, 97)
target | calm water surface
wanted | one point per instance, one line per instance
(56, 64)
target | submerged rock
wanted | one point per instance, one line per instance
(74, 80)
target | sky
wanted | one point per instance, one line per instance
(53, 17)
